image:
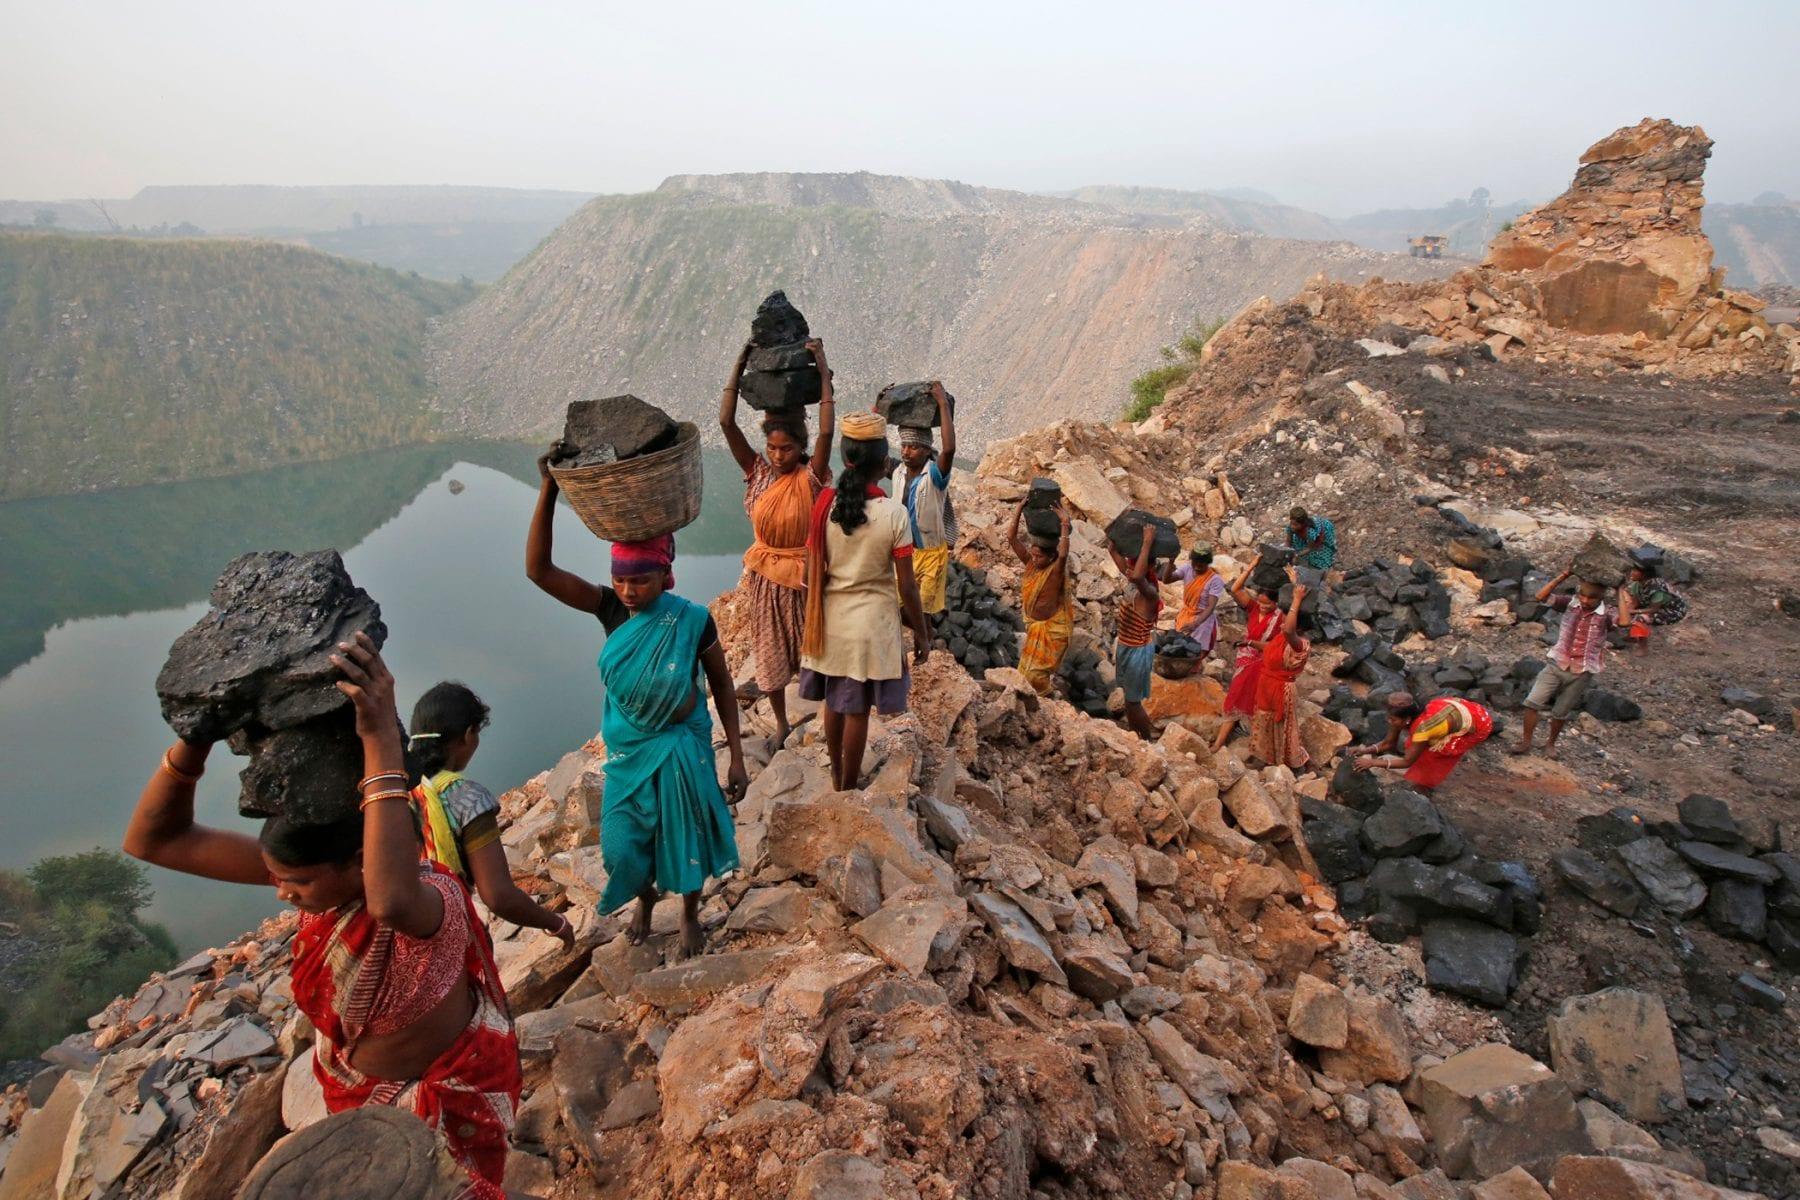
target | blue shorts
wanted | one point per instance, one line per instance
(1132, 665)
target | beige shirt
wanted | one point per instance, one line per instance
(862, 610)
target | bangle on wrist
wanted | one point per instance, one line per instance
(390, 794)
(176, 773)
(362, 784)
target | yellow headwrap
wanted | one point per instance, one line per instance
(863, 426)
(1452, 720)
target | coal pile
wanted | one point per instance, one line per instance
(978, 629)
(1177, 654)
(256, 669)
(1736, 875)
(613, 429)
(780, 372)
(1126, 533)
(911, 404)
(1395, 600)
(1402, 867)
(1080, 680)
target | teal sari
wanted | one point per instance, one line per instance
(664, 818)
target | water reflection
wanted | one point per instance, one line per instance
(97, 586)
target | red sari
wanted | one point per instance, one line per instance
(343, 983)
(1275, 725)
(1240, 697)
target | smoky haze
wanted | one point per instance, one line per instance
(1338, 108)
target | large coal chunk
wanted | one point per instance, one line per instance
(1336, 845)
(1709, 820)
(1597, 881)
(1600, 562)
(1669, 882)
(1610, 706)
(911, 404)
(1605, 832)
(261, 656)
(1126, 533)
(1041, 520)
(1404, 824)
(1718, 862)
(777, 323)
(612, 429)
(1359, 790)
(1520, 886)
(1471, 959)
(778, 378)
(307, 773)
(1738, 909)
(1440, 890)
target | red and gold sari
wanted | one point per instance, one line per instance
(1275, 725)
(352, 974)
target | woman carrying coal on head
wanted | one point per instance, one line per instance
(458, 817)
(1275, 722)
(665, 824)
(780, 485)
(859, 582)
(391, 964)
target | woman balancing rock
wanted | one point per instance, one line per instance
(780, 485)
(391, 963)
(1262, 618)
(1202, 588)
(664, 824)
(859, 578)
(458, 817)
(1134, 651)
(1045, 599)
(922, 483)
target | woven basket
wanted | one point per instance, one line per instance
(639, 498)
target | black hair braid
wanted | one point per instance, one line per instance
(864, 463)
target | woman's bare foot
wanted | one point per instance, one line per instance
(638, 932)
(693, 942)
(1518, 748)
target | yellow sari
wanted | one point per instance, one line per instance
(1046, 641)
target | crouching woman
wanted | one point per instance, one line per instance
(390, 962)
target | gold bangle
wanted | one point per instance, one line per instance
(177, 773)
(391, 794)
(379, 775)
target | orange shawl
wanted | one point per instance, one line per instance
(779, 519)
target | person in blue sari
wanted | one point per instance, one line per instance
(664, 825)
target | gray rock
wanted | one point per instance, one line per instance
(1784, 898)
(1665, 878)
(1440, 890)
(1720, 863)
(781, 378)
(1597, 881)
(1709, 820)
(1783, 939)
(612, 429)
(854, 881)
(1601, 833)
(1149, 1001)
(260, 658)
(1404, 824)
(1126, 533)
(1094, 969)
(1760, 993)
(308, 772)
(231, 1043)
(1600, 562)
(1471, 959)
(1020, 941)
(1199, 1075)
(1738, 908)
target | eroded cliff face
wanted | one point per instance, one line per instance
(1031, 308)
(1621, 250)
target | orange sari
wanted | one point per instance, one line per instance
(780, 508)
(1275, 724)
(1046, 641)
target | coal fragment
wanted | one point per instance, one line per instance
(1738, 909)
(1359, 790)
(777, 323)
(911, 404)
(1126, 533)
(780, 378)
(1665, 878)
(1336, 846)
(1610, 706)
(1600, 562)
(1760, 992)
(260, 658)
(1403, 825)
(1597, 881)
(1471, 959)
(1717, 861)
(612, 429)
(307, 773)
(1709, 820)
(1604, 832)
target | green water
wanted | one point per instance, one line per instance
(94, 588)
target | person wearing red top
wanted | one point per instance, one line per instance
(1435, 738)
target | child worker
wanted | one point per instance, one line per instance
(458, 817)
(922, 483)
(1134, 650)
(780, 485)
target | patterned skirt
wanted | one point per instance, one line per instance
(777, 624)
(1275, 726)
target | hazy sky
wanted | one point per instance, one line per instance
(1336, 107)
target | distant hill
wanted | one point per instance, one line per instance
(1029, 307)
(441, 232)
(1758, 243)
(127, 361)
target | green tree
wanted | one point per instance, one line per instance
(98, 877)
(1179, 361)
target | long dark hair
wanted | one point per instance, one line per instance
(864, 463)
(296, 844)
(786, 421)
(447, 711)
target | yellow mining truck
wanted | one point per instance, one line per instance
(1429, 246)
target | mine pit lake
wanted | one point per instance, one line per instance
(95, 587)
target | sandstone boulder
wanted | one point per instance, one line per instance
(1618, 1044)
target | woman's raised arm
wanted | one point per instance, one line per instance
(540, 565)
(163, 832)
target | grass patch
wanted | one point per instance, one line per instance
(1179, 360)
